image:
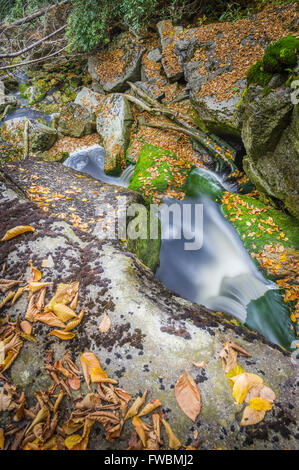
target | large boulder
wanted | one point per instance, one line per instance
(114, 126)
(90, 100)
(271, 137)
(154, 334)
(40, 136)
(170, 62)
(75, 120)
(112, 68)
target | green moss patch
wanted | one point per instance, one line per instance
(156, 171)
(278, 58)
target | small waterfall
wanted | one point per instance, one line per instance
(221, 275)
(91, 160)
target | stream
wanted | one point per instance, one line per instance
(220, 275)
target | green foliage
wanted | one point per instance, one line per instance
(16, 9)
(278, 58)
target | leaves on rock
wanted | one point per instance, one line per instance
(18, 230)
(188, 395)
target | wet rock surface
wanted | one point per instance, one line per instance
(75, 120)
(140, 349)
(40, 136)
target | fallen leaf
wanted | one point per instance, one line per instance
(1, 439)
(64, 335)
(200, 365)
(105, 324)
(37, 275)
(188, 395)
(251, 416)
(133, 410)
(18, 230)
(92, 369)
(149, 407)
(26, 327)
(6, 284)
(140, 428)
(243, 383)
(63, 312)
(74, 323)
(174, 442)
(259, 404)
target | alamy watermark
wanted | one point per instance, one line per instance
(135, 221)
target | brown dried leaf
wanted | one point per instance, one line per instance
(149, 407)
(63, 312)
(188, 395)
(105, 324)
(26, 327)
(18, 230)
(252, 416)
(140, 428)
(64, 335)
(6, 284)
(174, 442)
(136, 405)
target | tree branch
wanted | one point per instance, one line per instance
(34, 61)
(32, 17)
(37, 43)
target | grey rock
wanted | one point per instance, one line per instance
(114, 124)
(155, 54)
(41, 137)
(90, 100)
(75, 120)
(148, 345)
(131, 69)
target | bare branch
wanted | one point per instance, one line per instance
(34, 61)
(35, 44)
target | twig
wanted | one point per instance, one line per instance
(34, 61)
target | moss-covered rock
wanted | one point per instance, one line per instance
(278, 58)
(36, 92)
(156, 171)
(270, 134)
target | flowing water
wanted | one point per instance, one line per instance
(91, 161)
(220, 275)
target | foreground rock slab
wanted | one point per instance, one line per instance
(154, 334)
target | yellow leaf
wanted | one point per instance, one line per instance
(65, 335)
(236, 371)
(259, 404)
(37, 275)
(252, 416)
(18, 230)
(63, 312)
(72, 440)
(140, 428)
(92, 369)
(1, 439)
(243, 383)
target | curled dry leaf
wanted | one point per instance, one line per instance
(229, 358)
(200, 365)
(18, 294)
(26, 327)
(74, 383)
(64, 293)
(149, 407)
(42, 415)
(74, 323)
(188, 395)
(133, 410)
(6, 284)
(92, 369)
(37, 275)
(140, 428)
(63, 312)
(6, 299)
(105, 324)
(157, 426)
(40, 299)
(49, 319)
(36, 286)
(64, 335)
(18, 230)
(174, 442)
